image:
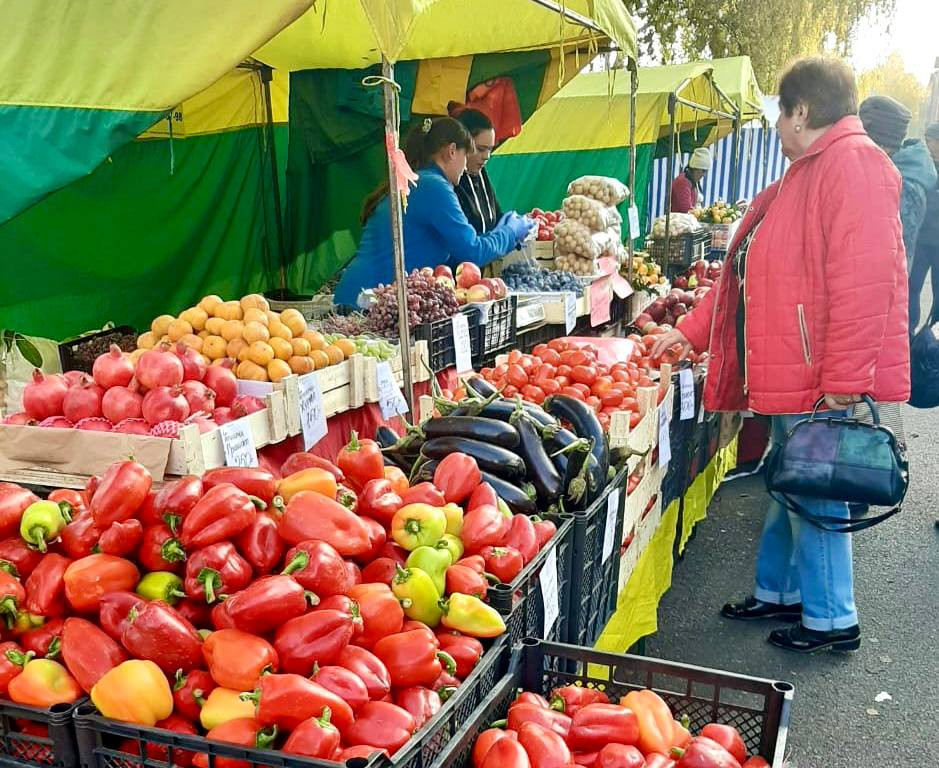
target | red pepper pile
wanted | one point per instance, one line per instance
(580, 728)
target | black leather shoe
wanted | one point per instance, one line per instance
(802, 640)
(752, 609)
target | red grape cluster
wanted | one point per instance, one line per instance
(428, 300)
(347, 325)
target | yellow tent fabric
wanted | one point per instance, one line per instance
(352, 34)
(736, 78)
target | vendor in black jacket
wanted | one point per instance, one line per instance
(475, 192)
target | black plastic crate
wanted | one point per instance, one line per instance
(37, 737)
(79, 354)
(439, 338)
(758, 708)
(99, 739)
(678, 475)
(522, 602)
(593, 593)
(682, 250)
(496, 332)
(527, 340)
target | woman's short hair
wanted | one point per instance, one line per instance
(824, 84)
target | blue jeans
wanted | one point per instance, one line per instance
(799, 561)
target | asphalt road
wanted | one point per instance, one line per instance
(836, 720)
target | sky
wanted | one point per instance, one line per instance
(914, 33)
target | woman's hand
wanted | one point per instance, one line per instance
(841, 402)
(669, 339)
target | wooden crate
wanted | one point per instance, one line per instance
(420, 370)
(645, 530)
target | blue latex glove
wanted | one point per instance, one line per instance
(506, 218)
(521, 226)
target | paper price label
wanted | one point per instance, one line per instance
(600, 301)
(665, 446)
(461, 344)
(570, 311)
(633, 222)
(238, 444)
(686, 390)
(312, 415)
(390, 398)
(549, 590)
(612, 515)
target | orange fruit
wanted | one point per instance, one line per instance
(251, 371)
(255, 301)
(235, 347)
(214, 347)
(282, 348)
(300, 364)
(334, 354)
(161, 325)
(146, 340)
(177, 329)
(255, 315)
(261, 353)
(255, 331)
(277, 370)
(233, 329)
(301, 347)
(209, 304)
(316, 339)
(192, 341)
(320, 358)
(346, 345)
(195, 316)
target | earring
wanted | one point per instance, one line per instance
(798, 129)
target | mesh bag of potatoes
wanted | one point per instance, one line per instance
(591, 213)
(603, 189)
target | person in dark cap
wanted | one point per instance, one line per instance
(926, 258)
(886, 121)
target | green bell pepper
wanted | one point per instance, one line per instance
(43, 522)
(434, 562)
(161, 585)
(417, 594)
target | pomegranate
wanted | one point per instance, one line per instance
(43, 396)
(132, 427)
(203, 421)
(199, 396)
(159, 367)
(194, 366)
(223, 415)
(120, 403)
(57, 422)
(165, 404)
(21, 419)
(168, 428)
(94, 424)
(112, 369)
(222, 381)
(75, 377)
(249, 403)
(83, 401)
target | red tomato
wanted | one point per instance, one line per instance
(582, 388)
(620, 375)
(645, 381)
(630, 404)
(593, 402)
(611, 399)
(601, 385)
(558, 345)
(564, 381)
(584, 374)
(509, 391)
(526, 363)
(572, 392)
(500, 370)
(634, 419)
(564, 370)
(604, 419)
(517, 376)
(539, 348)
(549, 355)
(574, 357)
(533, 394)
(550, 386)
(547, 371)
(514, 356)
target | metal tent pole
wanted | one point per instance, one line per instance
(633, 101)
(267, 74)
(672, 101)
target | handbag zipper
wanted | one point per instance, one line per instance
(804, 334)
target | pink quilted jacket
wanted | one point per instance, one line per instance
(826, 287)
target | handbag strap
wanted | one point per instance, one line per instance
(866, 399)
(829, 523)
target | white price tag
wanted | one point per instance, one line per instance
(238, 444)
(633, 222)
(549, 590)
(665, 445)
(686, 389)
(612, 516)
(312, 415)
(461, 343)
(570, 311)
(390, 398)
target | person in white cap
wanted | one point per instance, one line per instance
(686, 189)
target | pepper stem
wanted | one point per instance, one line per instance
(254, 696)
(9, 610)
(259, 504)
(179, 680)
(446, 692)
(19, 658)
(353, 444)
(54, 647)
(6, 565)
(311, 597)
(37, 538)
(66, 511)
(212, 581)
(498, 723)
(266, 737)
(297, 563)
(449, 663)
(323, 719)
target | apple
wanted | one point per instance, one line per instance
(680, 320)
(461, 295)
(671, 300)
(427, 271)
(496, 291)
(657, 310)
(644, 319)
(680, 309)
(680, 282)
(686, 298)
(700, 267)
(478, 292)
(705, 282)
(669, 320)
(445, 281)
(467, 274)
(443, 271)
(649, 329)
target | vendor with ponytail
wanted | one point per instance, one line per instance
(436, 231)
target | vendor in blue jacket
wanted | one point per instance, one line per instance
(436, 231)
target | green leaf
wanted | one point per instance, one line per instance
(29, 351)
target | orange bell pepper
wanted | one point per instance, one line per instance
(309, 479)
(135, 691)
(658, 730)
(42, 683)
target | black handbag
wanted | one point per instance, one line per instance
(839, 460)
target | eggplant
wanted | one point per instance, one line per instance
(481, 387)
(583, 480)
(520, 498)
(425, 472)
(386, 437)
(490, 458)
(541, 471)
(556, 438)
(501, 409)
(481, 428)
(585, 423)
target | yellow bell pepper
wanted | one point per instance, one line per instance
(222, 705)
(135, 691)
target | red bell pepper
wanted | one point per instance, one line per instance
(422, 703)
(381, 613)
(396, 552)
(316, 737)
(45, 587)
(525, 712)
(91, 485)
(159, 752)
(594, 725)
(147, 514)
(523, 537)
(529, 697)
(310, 515)
(619, 756)
(44, 641)
(473, 562)
(361, 461)
(216, 570)
(316, 637)
(73, 498)
(80, 536)
(318, 567)
(254, 482)
(399, 480)
(197, 613)
(585, 759)
(657, 731)
(122, 490)
(114, 611)
(121, 538)
(220, 618)
(347, 685)
(86, 580)
(505, 563)
(704, 753)
(461, 578)
(446, 684)
(156, 632)
(260, 544)
(347, 606)
(545, 747)
(485, 741)
(756, 762)
(160, 550)
(12, 597)
(466, 651)
(728, 737)
(354, 572)
(88, 652)
(506, 753)
(383, 725)
(242, 731)
(376, 537)
(379, 501)
(366, 751)
(13, 503)
(483, 494)
(483, 527)
(267, 603)
(457, 476)
(380, 571)
(12, 659)
(544, 530)
(412, 659)
(177, 498)
(658, 760)
(237, 659)
(368, 667)
(569, 698)
(297, 461)
(16, 555)
(223, 513)
(286, 700)
(31, 751)
(424, 493)
(190, 690)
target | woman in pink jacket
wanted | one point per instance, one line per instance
(812, 304)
